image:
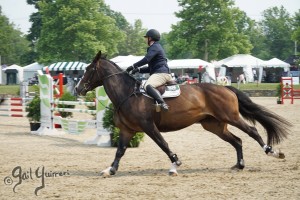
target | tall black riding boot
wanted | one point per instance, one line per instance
(157, 96)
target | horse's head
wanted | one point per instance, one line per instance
(91, 78)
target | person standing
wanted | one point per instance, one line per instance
(157, 67)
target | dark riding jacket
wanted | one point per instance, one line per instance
(156, 60)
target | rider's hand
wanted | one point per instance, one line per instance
(129, 69)
(135, 70)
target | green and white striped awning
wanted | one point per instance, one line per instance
(66, 66)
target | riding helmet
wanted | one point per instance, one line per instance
(154, 34)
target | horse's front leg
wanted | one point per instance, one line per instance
(124, 140)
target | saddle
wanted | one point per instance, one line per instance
(170, 89)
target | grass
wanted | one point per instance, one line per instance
(14, 90)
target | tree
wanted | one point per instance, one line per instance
(258, 40)
(133, 43)
(207, 30)
(75, 30)
(13, 43)
(277, 26)
(296, 24)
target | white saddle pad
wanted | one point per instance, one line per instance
(171, 91)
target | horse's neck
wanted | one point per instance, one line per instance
(118, 86)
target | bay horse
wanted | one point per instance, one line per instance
(213, 106)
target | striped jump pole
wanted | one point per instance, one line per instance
(14, 104)
(74, 103)
(74, 110)
(12, 115)
(18, 99)
(13, 109)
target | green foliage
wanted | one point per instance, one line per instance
(90, 97)
(67, 96)
(296, 24)
(134, 142)
(134, 41)
(13, 43)
(34, 109)
(108, 124)
(34, 88)
(278, 90)
(209, 30)
(108, 119)
(77, 31)
(277, 26)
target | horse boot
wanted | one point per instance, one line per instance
(151, 91)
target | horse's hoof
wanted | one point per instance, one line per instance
(107, 172)
(105, 175)
(239, 166)
(236, 168)
(277, 154)
(173, 174)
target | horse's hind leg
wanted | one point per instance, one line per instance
(253, 133)
(220, 129)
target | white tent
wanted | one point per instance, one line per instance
(275, 62)
(126, 61)
(246, 61)
(30, 70)
(187, 63)
(12, 74)
(193, 64)
(241, 60)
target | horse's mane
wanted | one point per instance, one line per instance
(119, 68)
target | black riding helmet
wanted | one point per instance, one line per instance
(154, 34)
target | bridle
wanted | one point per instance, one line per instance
(88, 85)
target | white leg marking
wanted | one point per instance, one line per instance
(106, 172)
(173, 169)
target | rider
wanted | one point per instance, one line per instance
(157, 67)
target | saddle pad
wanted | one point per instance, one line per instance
(171, 91)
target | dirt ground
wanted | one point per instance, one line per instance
(143, 172)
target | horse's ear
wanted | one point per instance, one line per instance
(97, 57)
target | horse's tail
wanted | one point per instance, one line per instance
(277, 128)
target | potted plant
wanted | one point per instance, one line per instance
(109, 125)
(34, 113)
(278, 94)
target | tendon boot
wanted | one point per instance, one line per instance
(157, 96)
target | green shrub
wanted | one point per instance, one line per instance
(34, 109)
(109, 125)
(67, 96)
(90, 97)
(278, 90)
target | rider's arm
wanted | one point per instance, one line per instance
(140, 63)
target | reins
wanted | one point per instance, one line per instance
(117, 73)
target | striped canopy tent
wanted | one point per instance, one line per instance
(66, 66)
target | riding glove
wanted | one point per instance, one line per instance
(130, 68)
(135, 70)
